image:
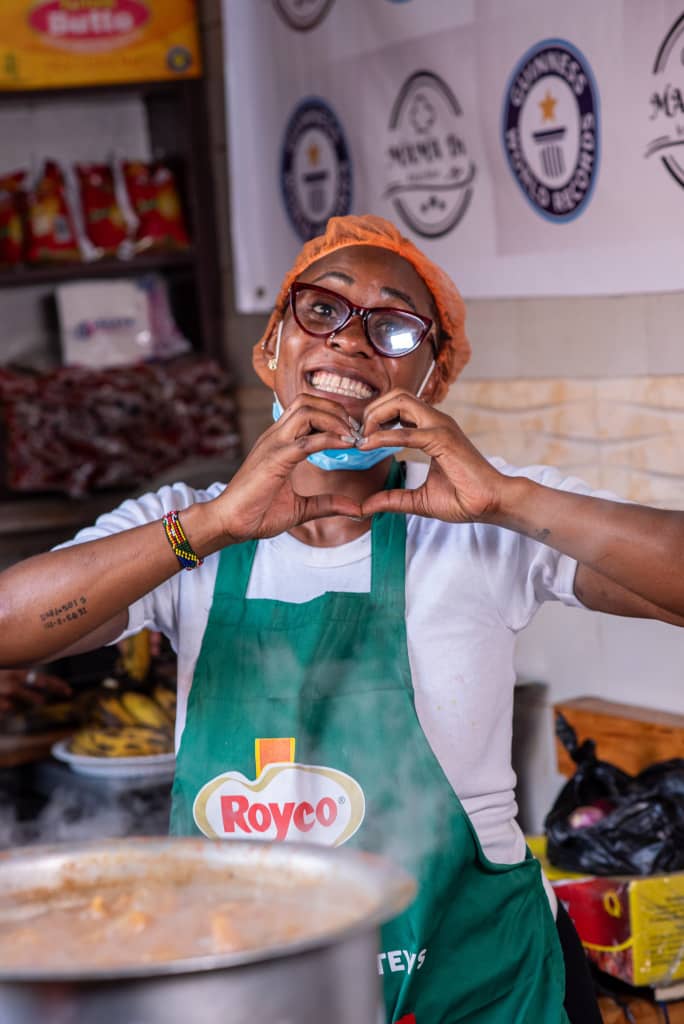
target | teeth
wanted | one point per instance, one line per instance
(331, 382)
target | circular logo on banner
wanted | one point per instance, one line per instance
(315, 168)
(430, 175)
(551, 129)
(303, 14)
(667, 104)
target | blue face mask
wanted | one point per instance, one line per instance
(341, 458)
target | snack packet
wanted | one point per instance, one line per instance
(12, 234)
(51, 232)
(104, 223)
(154, 198)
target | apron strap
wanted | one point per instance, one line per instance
(388, 556)
(388, 550)
(234, 569)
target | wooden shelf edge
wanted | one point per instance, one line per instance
(54, 273)
(37, 513)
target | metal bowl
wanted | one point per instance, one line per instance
(328, 974)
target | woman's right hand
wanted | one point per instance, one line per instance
(260, 500)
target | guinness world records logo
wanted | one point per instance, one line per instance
(315, 168)
(302, 15)
(550, 128)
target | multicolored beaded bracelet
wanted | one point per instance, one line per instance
(180, 544)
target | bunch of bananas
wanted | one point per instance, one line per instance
(128, 724)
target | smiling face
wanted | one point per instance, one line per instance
(346, 368)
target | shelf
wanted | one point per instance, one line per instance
(25, 276)
(149, 87)
(39, 513)
(18, 750)
(35, 513)
(177, 118)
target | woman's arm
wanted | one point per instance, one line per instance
(631, 556)
(77, 598)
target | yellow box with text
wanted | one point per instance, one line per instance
(631, 926)
(67, 43)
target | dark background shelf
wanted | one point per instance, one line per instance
(58, 272)
(178, 130)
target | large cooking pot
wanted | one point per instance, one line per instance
(326, 971)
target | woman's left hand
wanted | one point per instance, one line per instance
(461, 485)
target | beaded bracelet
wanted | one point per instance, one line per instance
(180, 544)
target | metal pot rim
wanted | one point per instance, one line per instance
(393, 890)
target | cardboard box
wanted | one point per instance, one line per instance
(628, 1009)
(627, 735)
(47, 44)
(631, 927)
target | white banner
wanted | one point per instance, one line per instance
(530, 147)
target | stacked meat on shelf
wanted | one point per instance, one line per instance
(79, 431)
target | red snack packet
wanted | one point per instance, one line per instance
(12, 198)
(154, 198)
(103, 219)
(51, 232)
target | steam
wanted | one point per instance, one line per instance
(407, 817)
(75, 815)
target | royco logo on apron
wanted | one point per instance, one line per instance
(286, 800)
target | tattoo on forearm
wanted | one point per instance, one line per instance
(542, 535)
(63, 614)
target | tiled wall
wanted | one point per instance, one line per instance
(624, 434)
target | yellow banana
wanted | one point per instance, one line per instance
(82, 743)
(144, 710)
(166, 699)
(110, 712)
(128, 741)
(136, 655)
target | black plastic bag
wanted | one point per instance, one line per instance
(606, 822)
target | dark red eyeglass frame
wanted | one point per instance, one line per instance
(363, 312)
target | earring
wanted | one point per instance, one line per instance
(273, 361)
(426, 378)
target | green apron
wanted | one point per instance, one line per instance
(301, 725)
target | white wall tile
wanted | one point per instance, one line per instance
(576, 337)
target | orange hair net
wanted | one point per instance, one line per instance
(341, 232)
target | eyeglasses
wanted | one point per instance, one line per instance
(324, 313)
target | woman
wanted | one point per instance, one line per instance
(372, 649)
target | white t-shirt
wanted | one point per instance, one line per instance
(469, 589)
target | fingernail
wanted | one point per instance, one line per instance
(348, 438)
